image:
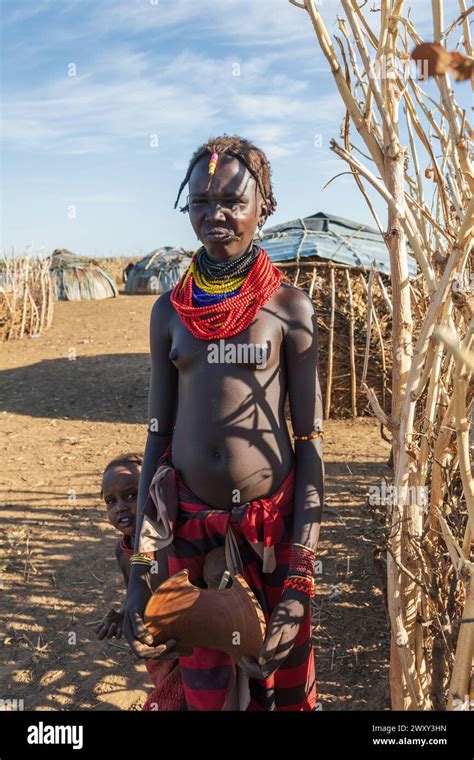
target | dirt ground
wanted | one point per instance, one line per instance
(70, 401)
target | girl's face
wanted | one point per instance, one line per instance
(120, 491)
(226, 216)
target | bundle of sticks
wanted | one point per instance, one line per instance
(26, 296)
(408, 142)
(353, 311)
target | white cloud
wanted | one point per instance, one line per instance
(129, 95)
(97, 198)
(246, 22)
(126, 92)
(14, 13)
(119, 100)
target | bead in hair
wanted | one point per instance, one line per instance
(212, 167)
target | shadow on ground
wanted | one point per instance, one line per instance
(105, 388)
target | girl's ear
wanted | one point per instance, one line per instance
(263, 214)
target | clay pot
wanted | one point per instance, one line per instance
(230, 620)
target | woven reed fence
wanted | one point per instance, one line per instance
(26, 296)
(353, 310)
(425, 175)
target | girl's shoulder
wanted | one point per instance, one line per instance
(295, 302)
(162, 312)
(162, 304)
(123, 548)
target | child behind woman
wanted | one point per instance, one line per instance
(119, 492)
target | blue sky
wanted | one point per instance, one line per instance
(79, 166)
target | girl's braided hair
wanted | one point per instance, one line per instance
(252, 157)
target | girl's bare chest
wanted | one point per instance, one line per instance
(256, 348)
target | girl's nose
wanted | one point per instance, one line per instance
(214, 211)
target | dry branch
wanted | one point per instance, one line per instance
(430, 210)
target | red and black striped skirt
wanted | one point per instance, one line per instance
(208, 675)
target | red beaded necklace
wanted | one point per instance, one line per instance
(235, 314)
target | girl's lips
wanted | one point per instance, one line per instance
(220, 234)
(125, 521)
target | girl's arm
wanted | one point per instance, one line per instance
(300, 344)
(306, 408)
(162, 408)
(162, 399)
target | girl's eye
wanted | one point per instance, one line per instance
(231, 205)
(109, 502)
(237, 205)
(131, 496)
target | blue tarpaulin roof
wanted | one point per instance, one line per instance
(331, 238)
(157, 272)
(79, 279)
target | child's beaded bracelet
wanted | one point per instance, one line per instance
(142, 558)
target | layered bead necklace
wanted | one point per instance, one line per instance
(218, 299)
(215, 281)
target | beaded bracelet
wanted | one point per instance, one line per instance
(301, 569)
(306, 585)
(302, 561)
(142, 558)
(304, 547)
(317, 434)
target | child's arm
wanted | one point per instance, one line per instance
(123, 562)
(111, 625)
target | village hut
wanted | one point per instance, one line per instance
(344, 266)
(80, 279)
(158, 272)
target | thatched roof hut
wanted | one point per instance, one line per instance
(80, 279)
(157, 272)
(339, 263)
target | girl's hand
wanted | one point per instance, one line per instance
(110, 626)
(140, 640)
(282, 630)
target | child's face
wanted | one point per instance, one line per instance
(120, 491)
(227, 228)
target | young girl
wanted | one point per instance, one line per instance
(119, 491)
(227, 473)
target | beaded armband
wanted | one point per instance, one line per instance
(317, 434)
